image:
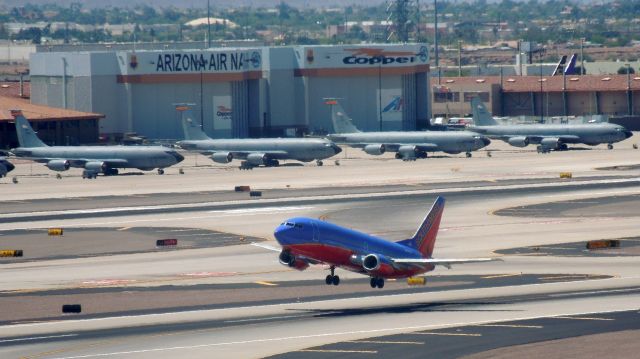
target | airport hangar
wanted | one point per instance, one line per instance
(239, 92)
(615, 96)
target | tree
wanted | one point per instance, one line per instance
(623, 70)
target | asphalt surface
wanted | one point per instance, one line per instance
(456, 342)
(609, 206)
(259, 311)
(115, 300)
(628, 247)
(177, 203)
(108, 241)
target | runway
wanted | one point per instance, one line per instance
(218, 297)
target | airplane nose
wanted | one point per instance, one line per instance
(486, 141)
(628, 133)
(336, 148)
(179, 158)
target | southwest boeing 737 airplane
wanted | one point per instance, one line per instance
(253, 151)
(308, 241)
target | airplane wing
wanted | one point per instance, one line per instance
(393, 147)
(80, 162)
(277, 249)
(270, 154)
(443, 262)
(266, 246)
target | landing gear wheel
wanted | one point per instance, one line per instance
(373, 282)
(160, 171)
(319, 163)
(335, 280)
(609, 146)
(380, 282)
(328, 279)
(468, 154)
(58, 176)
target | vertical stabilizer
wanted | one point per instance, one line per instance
(192, 129)
(27, 137)
(558, 70)
(481, 117)
(425, 238)
(341, 122)
(570, 69)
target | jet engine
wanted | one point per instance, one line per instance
(257, 159)
(58, 165)
(410, 152)
(375, 150)
(371, 262)
(96, 167)
(289, 260)
(519, 141)
(550, 143)
(222, 157)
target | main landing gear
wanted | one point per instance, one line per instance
(609, 146)
(377, 282)
(332, 278)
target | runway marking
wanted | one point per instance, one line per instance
(450, 334)
(382, 342)
(594, 292)
(209, 274)
(337, 351)
(37, 338)
(319, 335)
(242, 211)
(583, 318)
(562, 277)
(108, 282)
(501, 275)
(509, 326)
(265, 283)
(123, 229)
(268, 318)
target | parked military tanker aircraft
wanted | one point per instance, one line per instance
(308, 241)
(547, 137)
(94, 159)
(254, 152)
(408, 145)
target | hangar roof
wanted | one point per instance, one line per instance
(574, 83)
(10, 100)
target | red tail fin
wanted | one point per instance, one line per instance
(425, 237)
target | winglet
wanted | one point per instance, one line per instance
(27, 137)
(481, 116)
(341, 122)
(425, 237)
(192, 130)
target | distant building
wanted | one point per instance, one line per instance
(546, 96)
(246, 91)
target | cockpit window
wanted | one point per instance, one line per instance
(289, 224)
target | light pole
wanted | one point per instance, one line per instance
(380, 92)
(459, 58)
(629, 93)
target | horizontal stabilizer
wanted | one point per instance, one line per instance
(443, 262)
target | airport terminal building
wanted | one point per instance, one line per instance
(239, 92)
